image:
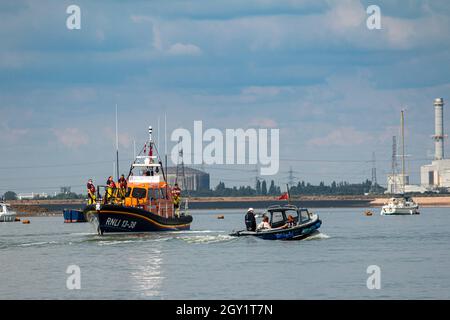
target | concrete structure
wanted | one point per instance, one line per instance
(437, 174)
(395, 183)
(439, 128)
(32, 195)
(195, 179)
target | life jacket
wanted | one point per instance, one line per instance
(122, 183)
(111, 184)
(91, 188)
(176, 192)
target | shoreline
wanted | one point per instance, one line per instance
(45, 208)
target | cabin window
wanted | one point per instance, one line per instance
(128, 193)
(304, 215)
(292, 213)
(139, 193)
(277, 219)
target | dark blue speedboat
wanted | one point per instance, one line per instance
(304, 224)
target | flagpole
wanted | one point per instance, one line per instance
(288, 194)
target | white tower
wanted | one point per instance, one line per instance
(439, 128)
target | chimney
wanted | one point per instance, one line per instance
(439, 128)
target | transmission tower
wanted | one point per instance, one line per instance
(374, 175)
(291, 177)
(394, 164)
(257, 178)
(180, 167)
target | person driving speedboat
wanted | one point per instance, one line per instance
(250, 221)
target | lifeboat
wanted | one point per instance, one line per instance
(149, 203)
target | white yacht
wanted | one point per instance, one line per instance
(401, 204)
(6, 215)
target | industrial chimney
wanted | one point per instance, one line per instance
(439, 128)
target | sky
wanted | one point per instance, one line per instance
(310, 68)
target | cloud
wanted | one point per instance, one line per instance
(125, 139)
(184, 49)
(12, 135)
(263, 123)
(342, 137)
(71, 137)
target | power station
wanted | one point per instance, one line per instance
(432, 176)
(437, 174)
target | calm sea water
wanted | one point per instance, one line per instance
(413, 253)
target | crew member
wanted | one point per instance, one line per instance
(122, 186)
(176, 196)
(250, 221)
(110, 189)
(91, 192)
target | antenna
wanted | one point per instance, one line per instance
(165, 140)
(157, 137)
(117, 144)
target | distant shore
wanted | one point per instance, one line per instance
(55, 207)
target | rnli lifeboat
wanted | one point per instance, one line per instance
(149, 204)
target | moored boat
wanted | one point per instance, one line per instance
(149, 203)
(6, 215)
(401, 205)
(304, 224)
(72, 216)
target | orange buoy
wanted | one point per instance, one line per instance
(368, 213)
(220, 217)
(26, 221)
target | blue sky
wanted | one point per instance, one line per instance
(313, 69)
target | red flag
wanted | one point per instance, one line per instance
(284, 196)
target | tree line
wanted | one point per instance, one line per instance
(301, 188)
(262, 188)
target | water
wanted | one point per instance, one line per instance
(206, 263)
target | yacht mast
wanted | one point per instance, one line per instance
(403, 151)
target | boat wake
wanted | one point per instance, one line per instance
(205, 239)
(318, 236)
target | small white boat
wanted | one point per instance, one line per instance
(401, 205)
(6, 215)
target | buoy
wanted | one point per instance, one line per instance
(220, 217)
(26, 221)
(17, 220)
(368, 213)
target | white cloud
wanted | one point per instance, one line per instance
(342, 137)
(184, 49)
(71, 137)
(263, 123)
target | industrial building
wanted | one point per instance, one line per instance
(432, 176)
(437, 174)
(193, 180)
